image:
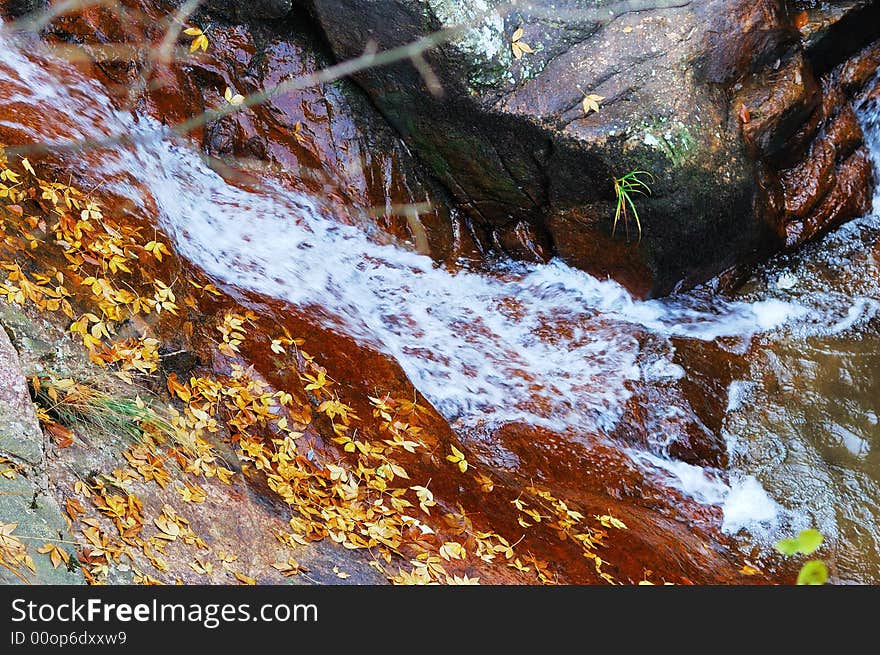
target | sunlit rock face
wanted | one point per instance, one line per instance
(718, 100)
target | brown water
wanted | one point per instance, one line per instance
(805, 419)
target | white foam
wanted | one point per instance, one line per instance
(737, 392)
(744, 502)
(771, 313)
(786, 281)
(861, 309)
(702, 485)
(662, 369)
(746, 505)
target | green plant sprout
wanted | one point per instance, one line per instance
(624, 189)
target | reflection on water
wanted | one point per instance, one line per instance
(806, 420)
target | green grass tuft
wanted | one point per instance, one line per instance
(89, 409)
(625, 188)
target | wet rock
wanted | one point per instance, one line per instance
(39, 520)
(693, 92)
(179, 360)
(20, 433)
(659, 419)
(778, 102)
(20, 8)
(663, 537)
(709, 368)
(221, 137)
(252, 9)
(524, 241)
(833, 31)
(805, 185)
(511, 135)
(844, 132)
(822, 178)
(850, 197)
(593, 247)
(858, 71)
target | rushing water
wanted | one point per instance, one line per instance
(546, 345)
(806, 422)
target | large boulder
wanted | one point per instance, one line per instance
(29, 515)
(720, 100)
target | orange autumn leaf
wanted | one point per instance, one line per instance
(457, 457)
(62, 436)
(57, 556)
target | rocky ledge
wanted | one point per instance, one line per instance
(741, 111)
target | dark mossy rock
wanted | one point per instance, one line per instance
(723, 101)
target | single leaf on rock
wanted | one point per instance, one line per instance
(426, 498)
(57, 555)
(611, 522)
(233, 99)
(244, 579)
(591, 102)
(485, 482)
(457, 457)
(157, 248)
(63, 436)
(452, 550)
(201, 41)
(518, 46)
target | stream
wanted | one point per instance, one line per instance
(541, 345)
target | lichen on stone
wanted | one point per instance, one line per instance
(483, 43)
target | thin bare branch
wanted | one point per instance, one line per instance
(428, 75)
(324, 76)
